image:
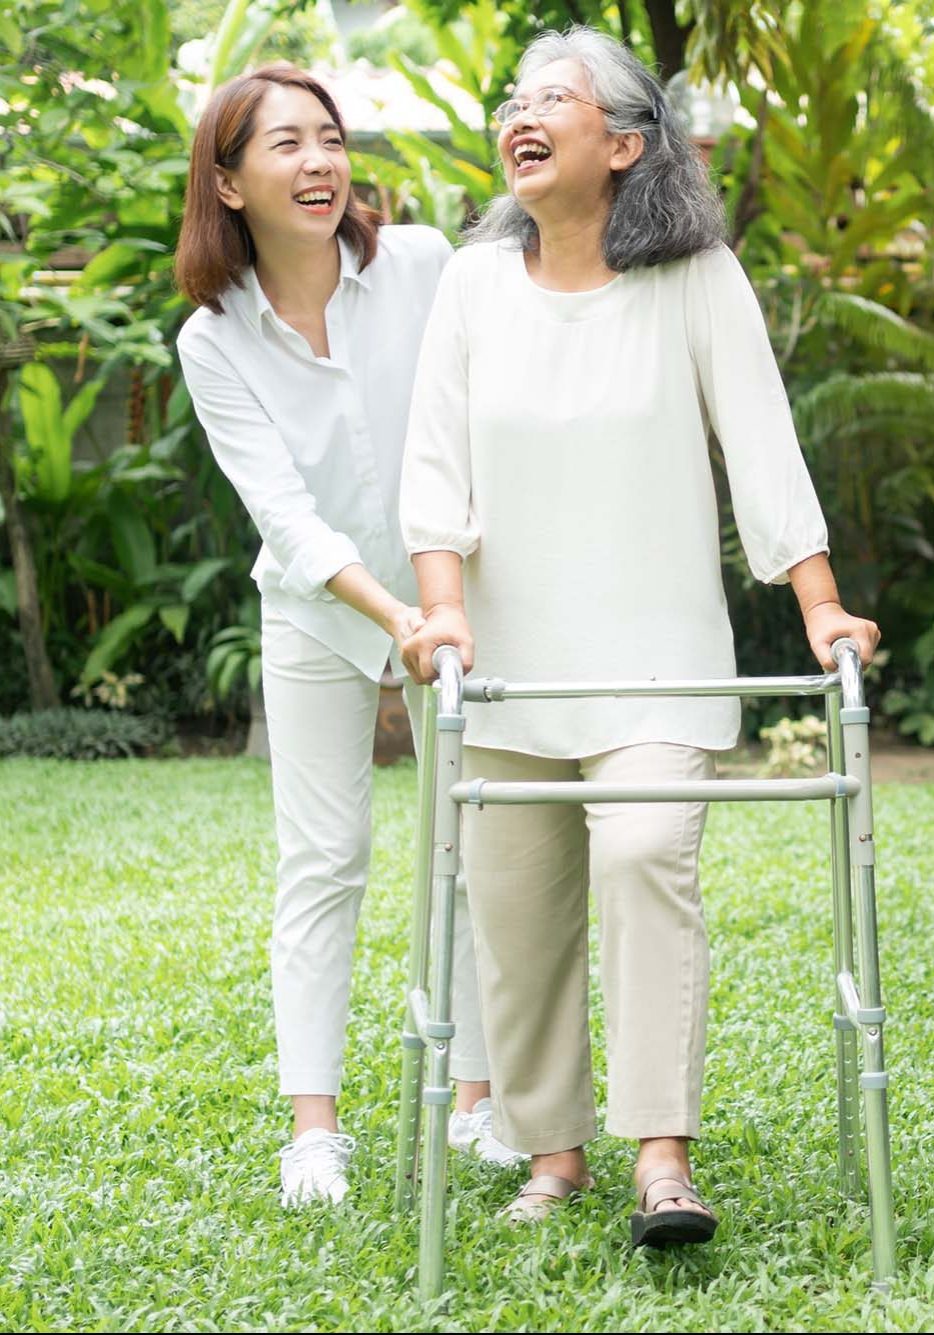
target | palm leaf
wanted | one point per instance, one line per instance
(903, 399)
(878, 327)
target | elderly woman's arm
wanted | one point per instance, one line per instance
(824, 618)
(441, 595)
(777, 513)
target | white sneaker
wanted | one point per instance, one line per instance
(314, 1167)
(473, 1131)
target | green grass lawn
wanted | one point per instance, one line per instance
(141, 1121)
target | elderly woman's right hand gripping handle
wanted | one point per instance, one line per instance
(441, 594)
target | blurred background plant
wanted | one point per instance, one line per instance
(795, 747)
(123, 550)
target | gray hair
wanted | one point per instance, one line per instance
(664, 206)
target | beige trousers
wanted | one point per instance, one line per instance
(528, 870)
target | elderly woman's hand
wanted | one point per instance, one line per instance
(828, 622)
(444, 624)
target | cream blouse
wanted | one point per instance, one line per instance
(558, 442)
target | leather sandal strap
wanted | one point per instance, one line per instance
(544, 1185)
(654, 1192)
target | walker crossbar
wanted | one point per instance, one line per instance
(487, 690)
(486, 792)
(858, 1020)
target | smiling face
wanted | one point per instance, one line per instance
(563, 161)
(293, 180)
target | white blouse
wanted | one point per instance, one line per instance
(558, 442)
(313, 445)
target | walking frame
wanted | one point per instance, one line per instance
(859, 1014)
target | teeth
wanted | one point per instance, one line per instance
(315, 197)
(531, 150)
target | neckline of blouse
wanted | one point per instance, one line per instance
(568, 306)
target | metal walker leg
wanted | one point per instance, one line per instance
(413, 1044)
(844, 1033)
(435, 1015)
(863, 1008)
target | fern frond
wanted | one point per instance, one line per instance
(905, 399)
(877, 326)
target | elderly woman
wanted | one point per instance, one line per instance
(558, 502)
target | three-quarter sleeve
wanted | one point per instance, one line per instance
(777, 512)
(250, 451)
(435, 498)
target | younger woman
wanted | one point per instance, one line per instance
(300, 363)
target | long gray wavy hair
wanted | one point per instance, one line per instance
(664, 206)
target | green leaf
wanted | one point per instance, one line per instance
(417, 149)
(11, 36)
(924, 650)
(8, 600)
(114, 262)
(201, 576)
(81, 406)
(234, 663)
(48, 439)
(114, 640)
(470, 141)
(877, 326)
(100, 576)
(178, 409)
(174, 616)
(131, 537)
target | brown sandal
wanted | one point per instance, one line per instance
(669, 1228)
(556, 1191)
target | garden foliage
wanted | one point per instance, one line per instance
(140, 549)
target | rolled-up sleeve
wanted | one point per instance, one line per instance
(250, 451)
(776, 509)
(435, 499)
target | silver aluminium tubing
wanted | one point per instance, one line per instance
(488, 792)
(847, 1055)
(487, 690)
(864, 1008)
(413, 1042)
(436, 1095)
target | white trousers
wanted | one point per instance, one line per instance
(321, 716)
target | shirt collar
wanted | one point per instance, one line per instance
(256, 303)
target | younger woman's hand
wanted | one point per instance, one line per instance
(828, 622)
(405, 622)
(445, 624)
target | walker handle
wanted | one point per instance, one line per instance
(446, 660)
(839, 648)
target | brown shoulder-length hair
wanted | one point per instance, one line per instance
(215, 245)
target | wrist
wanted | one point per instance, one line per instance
(821, 602)
(389, 615)
(444, 605)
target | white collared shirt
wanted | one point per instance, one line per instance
(313, 445)
(558, 441)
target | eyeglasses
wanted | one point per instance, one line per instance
(542, 103)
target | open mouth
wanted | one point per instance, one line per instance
(529, 154)
(319, 200)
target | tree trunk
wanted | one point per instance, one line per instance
(749, 204)
(42, 692)
(668, 37)
(625, 24)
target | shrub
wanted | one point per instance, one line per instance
(81, 734)
(796, 746)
